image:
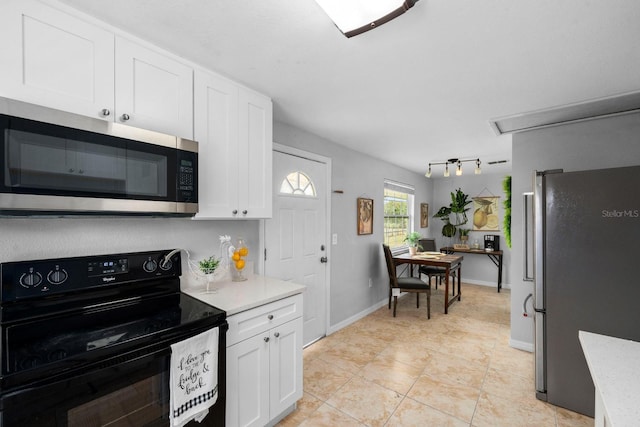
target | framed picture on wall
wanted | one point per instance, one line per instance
(485, 213)
(365, 216)
(424, 215)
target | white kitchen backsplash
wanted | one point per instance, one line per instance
(41, 238)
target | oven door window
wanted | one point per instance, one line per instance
(52, 160)
(138, 404)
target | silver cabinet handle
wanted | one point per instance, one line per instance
(266, 339)
(277, 334)
(270, 317)
(235, 211)
(125, 117)
(244, 212)
(105, 112)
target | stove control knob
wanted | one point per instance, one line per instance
(30, 279)
(57, 276)
(150, 266)
(166, 266)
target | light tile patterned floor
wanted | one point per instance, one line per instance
(452, 370)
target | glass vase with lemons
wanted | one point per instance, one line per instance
(238, 257)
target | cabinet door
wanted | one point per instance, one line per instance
(216, 130)
(286, 366)
(248, 382)
(255, 165)
(153, 91)
(54, 59)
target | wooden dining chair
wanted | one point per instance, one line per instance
(405, 284)
(429, 245)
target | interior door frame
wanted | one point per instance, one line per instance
(285, 149)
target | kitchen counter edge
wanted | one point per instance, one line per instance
(236, 297)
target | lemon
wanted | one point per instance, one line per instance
(236, 256)
(243, 251)
(240, 264)
(492, 221)
(480, 218)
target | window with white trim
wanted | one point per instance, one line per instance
(398, 213)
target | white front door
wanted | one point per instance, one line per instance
(295, 236)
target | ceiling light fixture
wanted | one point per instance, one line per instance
(458, 163)
(354, 17)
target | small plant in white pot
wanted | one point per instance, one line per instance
(413, 240)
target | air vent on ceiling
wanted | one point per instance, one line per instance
(586, 110)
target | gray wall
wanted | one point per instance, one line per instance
(38, 238)
(594, 144)
(477, 269)
(356, 258)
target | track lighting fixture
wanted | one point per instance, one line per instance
(458, 163)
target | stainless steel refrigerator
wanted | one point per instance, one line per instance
(586, 273)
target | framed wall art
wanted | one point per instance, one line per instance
(485, 213)
(365, 216)
(424, 215)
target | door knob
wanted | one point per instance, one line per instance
(323, 259)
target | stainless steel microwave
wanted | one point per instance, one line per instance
(58, 163)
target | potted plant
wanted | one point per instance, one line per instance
(208, 266)
(458, 207)
(464, 235)
(413, 240)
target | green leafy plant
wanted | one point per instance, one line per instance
(413, 239)
(463, 231)
(208, 265)
(506, 225)
(458, 207)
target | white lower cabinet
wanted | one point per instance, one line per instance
(264, 370)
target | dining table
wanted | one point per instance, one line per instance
(450, 263)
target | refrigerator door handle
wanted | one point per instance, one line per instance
(538, 301)
(527, 231)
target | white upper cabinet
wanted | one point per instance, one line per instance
(233, 126)
(56, 60)
(153, 91)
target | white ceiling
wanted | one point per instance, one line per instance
(418, 89)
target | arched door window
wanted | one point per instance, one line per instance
(298, 184)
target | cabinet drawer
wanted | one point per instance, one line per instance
(260, 319)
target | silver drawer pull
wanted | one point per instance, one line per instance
(277, 334)
(266, 339)
(270, 317)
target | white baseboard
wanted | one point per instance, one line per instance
(356, 317)
(521, 345)
(483, 283)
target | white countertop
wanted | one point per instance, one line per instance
(614, 364)
(234, 297)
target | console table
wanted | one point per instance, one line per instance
(495, 256)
